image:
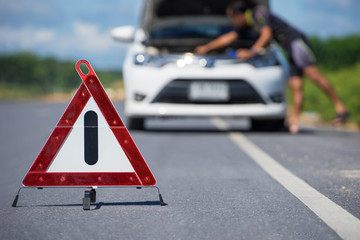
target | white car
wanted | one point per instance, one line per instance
(164, 79)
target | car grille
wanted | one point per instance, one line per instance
(177, 91)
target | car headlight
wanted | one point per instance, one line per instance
(181, 61)
(259, 61)
(141, 59)
(150, 60)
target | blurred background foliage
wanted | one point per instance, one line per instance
(25, 75)
(336, 53)
(339, 60)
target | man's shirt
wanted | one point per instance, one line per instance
(283, 33)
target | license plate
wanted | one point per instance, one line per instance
(209, 91)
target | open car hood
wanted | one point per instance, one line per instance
(181, 25)
(158, 13)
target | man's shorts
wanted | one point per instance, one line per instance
(300, 56)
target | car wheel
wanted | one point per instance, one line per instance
(268, 125)
(136, 123)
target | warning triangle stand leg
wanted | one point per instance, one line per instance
(89, 195)
(162, 203)
(14, 204)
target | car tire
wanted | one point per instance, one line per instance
(271, 125)
(135, 123)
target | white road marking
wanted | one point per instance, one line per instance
(220, 124)
(342, 222)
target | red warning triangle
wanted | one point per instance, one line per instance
(90, 145)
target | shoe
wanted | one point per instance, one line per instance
(342, 118)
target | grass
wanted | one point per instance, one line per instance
(346, 82)
(18, 92)
(111, 80)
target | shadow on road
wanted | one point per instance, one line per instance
(100, 204)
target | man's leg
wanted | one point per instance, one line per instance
(296, 85)
(313, 73)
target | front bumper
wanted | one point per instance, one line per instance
(257, 111)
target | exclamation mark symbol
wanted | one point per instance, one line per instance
(91, 137)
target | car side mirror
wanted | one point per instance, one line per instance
(123, 33)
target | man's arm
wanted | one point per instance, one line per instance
(265, 37)
(222, 41)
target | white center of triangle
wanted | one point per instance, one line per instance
(70, 157)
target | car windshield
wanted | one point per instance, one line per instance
(186, 32)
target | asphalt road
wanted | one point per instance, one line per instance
(219, 180)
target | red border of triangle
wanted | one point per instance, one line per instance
(91, 86)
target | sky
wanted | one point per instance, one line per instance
(74, 30)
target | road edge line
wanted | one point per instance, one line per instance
(342, 222)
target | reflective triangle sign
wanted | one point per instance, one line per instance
(90, 146)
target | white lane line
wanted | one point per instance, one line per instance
(219, 124)
(342, 222)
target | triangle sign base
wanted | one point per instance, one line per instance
(77, 152)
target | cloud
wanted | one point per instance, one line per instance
(323, 18)
(81, 40)
(320, 24)
(345, 4)
(89, 41)
(86, 37)
(24, 38)
(39, 12)
(21, 7)
(83, 36)
(66, 29)
(90, 37)
(44, 36)
(334, 4)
